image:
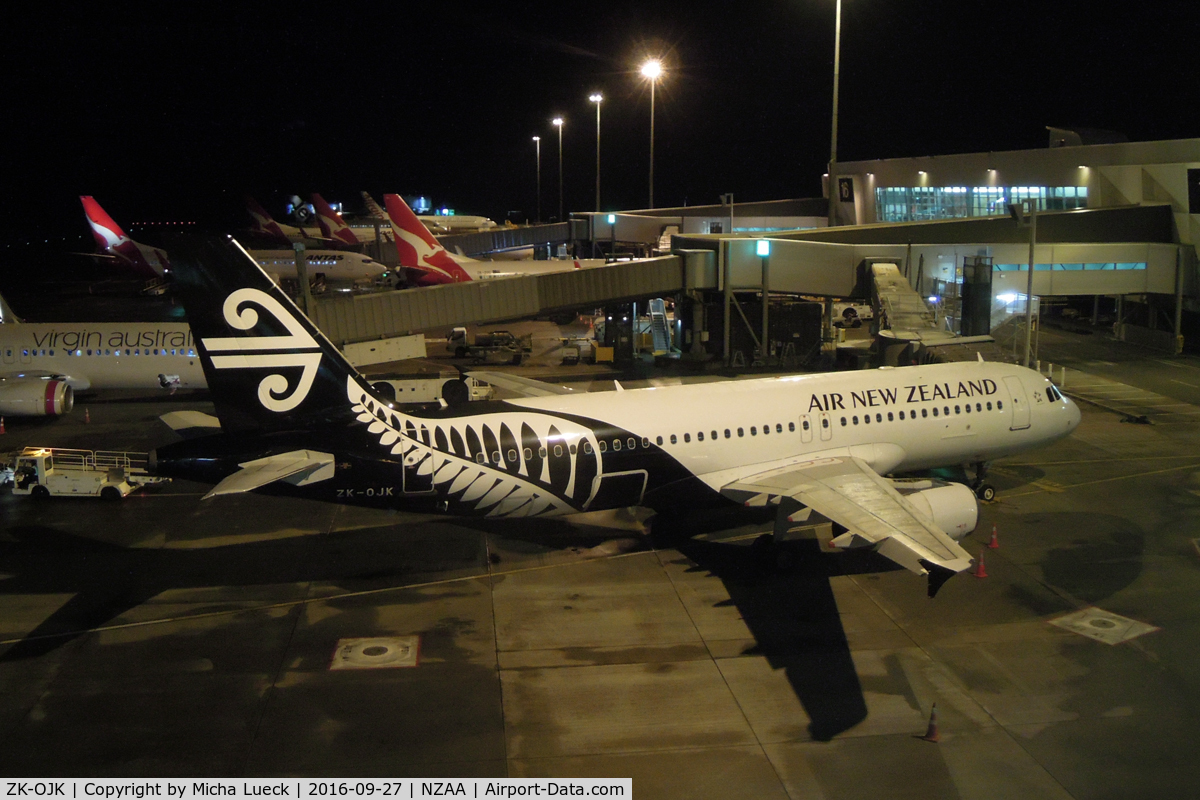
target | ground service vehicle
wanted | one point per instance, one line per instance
(111, 474)
(494, 347)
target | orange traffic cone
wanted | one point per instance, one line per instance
(2, 431)
(994, 544)
(931, 733)
(980, 569)
(87, 416)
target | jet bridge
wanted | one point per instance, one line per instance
(497, 240)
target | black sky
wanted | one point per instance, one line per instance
(174, 111)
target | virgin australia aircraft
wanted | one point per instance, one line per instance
(297, 420)
(42, 365)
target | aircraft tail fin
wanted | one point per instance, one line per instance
(7, 317)
(264, 225)
(267, 365)
(426, 261)
(105, 231)
(332, 225)
(141, 260)
(374, 208)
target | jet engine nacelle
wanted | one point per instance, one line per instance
(951, 506)
(36, 398)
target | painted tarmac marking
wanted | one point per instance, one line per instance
(1104, 480)
(1091, 461)
(1185, 383)
(1103, 626)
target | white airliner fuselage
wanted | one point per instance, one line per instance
(103, 355)
(894, 419)
(335, 265)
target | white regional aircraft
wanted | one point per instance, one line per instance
(42, 365)
(297, 420)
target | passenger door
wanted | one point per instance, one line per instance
(1020, 405)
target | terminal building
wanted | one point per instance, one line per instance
(1067, 175)
(1118, 224)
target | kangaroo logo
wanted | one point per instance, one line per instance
(296, 349)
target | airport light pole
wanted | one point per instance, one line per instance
(597, 98)
(537, 141)
(558, 123)
(837, 58)
(652, 70)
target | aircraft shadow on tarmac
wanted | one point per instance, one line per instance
(793, 616)
(106, 580)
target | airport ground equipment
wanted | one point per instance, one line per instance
(494, 347)
(578, 349)
(58, 471)
(403, 389)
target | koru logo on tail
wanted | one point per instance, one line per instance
(296, 349)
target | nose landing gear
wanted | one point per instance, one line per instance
(983, 490)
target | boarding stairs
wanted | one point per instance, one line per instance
(660, 326)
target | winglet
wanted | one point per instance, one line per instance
(6, 314)
(938, 575)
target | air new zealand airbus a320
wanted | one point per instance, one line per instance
(297, 420)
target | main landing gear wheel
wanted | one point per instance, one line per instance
(40, 491)
(985, 492)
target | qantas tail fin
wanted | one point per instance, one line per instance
(140, 259)
(333, 227)
(105, 231)
(426, 261)
(268, 367)
(264, 225)
(373, 208)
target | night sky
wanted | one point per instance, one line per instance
(172, 111)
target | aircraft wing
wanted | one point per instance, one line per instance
(525, 387)
(298, 467)
(850, 493)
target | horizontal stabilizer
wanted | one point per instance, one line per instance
(299, 467)
(525, 387)
(189, 424)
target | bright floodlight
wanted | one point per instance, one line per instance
(596, 98)
(652, 69)
(557, 121)
(763, 248)
(612, 219)
(537, 138)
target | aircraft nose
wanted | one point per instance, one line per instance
(1074, 415)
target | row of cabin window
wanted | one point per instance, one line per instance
(714, 435)
(979, 407)
(630, 444)
(137, 351)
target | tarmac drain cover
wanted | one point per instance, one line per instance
(1103, 626)
(376, 653)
